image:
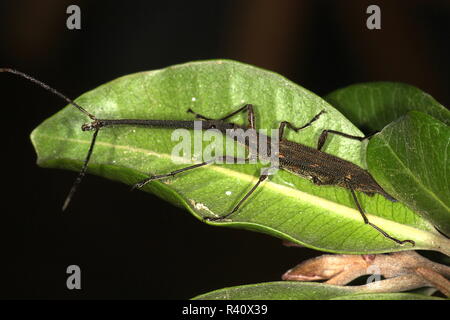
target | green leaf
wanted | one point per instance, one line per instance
(291, 290)
(387, 296)
(371, 106)
(286, 206)
(410, 157)
(280, 290)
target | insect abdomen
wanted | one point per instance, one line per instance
(326, 169)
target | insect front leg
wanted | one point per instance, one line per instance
(284, 124)
(247, 107)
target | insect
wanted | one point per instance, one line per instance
(320, 167)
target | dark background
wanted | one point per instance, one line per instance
(132, 244)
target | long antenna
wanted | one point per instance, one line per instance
(77, 181)
(47, 87)
(90, 115)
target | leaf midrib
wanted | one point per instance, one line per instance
(427, 236)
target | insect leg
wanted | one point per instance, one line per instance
(142, 183)
(82, 172)
(283, 124)
(262, 177)
(197, 115)
(324, 135)
(247, 107)
(366, 221)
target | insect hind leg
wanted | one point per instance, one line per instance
(366, 220)
(324, 135)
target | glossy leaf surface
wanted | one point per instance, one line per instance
(286, 206)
